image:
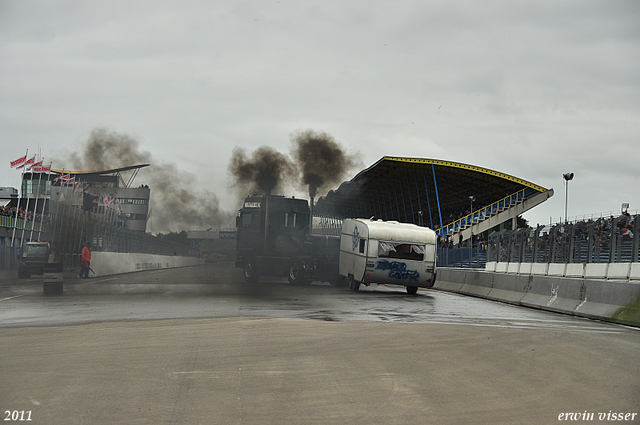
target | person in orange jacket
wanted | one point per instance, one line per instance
(85, 263)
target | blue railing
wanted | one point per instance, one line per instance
(485, 212)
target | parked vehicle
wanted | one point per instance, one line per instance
(34, 256)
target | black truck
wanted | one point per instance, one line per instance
(274, 239)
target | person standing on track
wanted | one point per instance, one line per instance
(85, 262)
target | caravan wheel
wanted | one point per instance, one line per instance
(412, 290)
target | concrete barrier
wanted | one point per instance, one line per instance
(449, 279)
(556, 269)
(616, 301)
(525, 268)
(490, 266)
(634, 273)
(618, 271)
(109, 263)
(596, 270)
(513, 268)
(478, 284)
(501, 267)
(539, 268)
(574, 270)
(510, 288)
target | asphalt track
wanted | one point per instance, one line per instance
(197, 345)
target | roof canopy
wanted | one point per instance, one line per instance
(111, 171)
(402, 188)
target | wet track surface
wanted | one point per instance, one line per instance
(198, 345)
(218, 290)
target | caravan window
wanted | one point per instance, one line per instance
(401, 250)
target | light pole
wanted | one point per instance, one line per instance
(567, 177)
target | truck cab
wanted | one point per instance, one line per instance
(271, 231)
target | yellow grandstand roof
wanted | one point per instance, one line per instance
(396, 188)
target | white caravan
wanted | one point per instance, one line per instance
(387, 252)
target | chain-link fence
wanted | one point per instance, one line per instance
(605, 240)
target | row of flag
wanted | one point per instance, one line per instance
(30, 164)
(64, 180)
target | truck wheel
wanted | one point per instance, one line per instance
(296, 274)
(354, 285)
(412, 290)
(251, 272)
(20, 273)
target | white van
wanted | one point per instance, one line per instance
(387, 252)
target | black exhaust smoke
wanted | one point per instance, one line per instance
(265, 171)
(322, 161)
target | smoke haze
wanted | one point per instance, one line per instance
(175, 205)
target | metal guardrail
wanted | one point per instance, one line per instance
(605, 240)
(22, 224)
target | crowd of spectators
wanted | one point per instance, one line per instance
(8, 211)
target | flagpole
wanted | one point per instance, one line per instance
(35, 208)
(26, 211)
(44, 202)
(57, 207)
(15, 221)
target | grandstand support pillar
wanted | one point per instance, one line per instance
(420, 212)
(552, 240)
(591, 242)
(413, 214)
(435, 185)
(521, 240)
(397, 202)
(426, 192)
(514, 223)
(404, 205)
(636, 239)
(572, 237)
(536, 245)
(613, 243)
(386, 214)
(373, 205)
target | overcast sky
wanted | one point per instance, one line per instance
(533, 89)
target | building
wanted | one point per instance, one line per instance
(103, 192)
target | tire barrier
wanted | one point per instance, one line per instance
(611, 300)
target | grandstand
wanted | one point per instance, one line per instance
(450, 197)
